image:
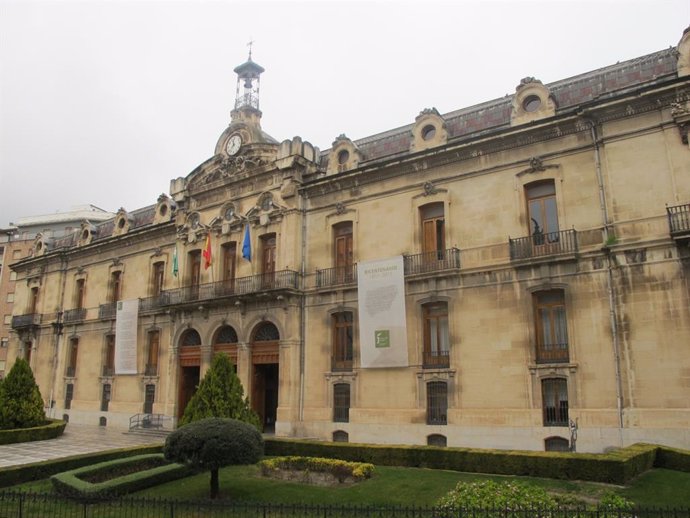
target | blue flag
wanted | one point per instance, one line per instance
(247, 245)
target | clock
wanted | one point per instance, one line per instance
(233, 145)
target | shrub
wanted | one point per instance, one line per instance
(220, 394)
(495, 495)
(51, 429)
(673, 458)
(21, 405)
(210, 444)
(340, 469)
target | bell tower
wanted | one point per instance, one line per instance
(247, 93)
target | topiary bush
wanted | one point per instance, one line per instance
(21, 405)
(500, 496)
(210, 444)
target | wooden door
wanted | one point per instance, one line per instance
(343, 252)
(268, 260)
(194, 274)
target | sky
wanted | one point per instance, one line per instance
(103, 102)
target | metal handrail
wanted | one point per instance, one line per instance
(27, 320)
(74, 315)
(543, 244)
(678, 218)
(434, 261)
(338, 276)
(139, 421)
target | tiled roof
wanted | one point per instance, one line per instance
(568, 93)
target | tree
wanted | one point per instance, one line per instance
(220, 394)
(21, 405)
(209, 444)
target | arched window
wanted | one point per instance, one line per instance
(340, 436)
(190, 338)
(226, 335)
(556, 444)
(436, 439)
(266, 332)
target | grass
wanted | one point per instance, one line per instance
(403, 486)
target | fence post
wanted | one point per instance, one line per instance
(21, 505)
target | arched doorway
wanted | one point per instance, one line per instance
(190, 367)
(225, 341)
(264, 343)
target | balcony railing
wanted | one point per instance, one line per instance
(556, 415)
(151, 369)
(337, 276)
(679, 219)
(434, 261)
(284, 279)
(552, 353)
(107, 311)
(341, 365)
(436, 359)
(74, 315)
(541, 245)
(108, 370)
(69, 372)
(28, 320)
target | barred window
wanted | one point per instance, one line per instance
(105, 397)
(340, 436)
(342, 341)
(69, 394)
(556, 444)
(341, 403)
(436, 402)
(436, 439)
(555, 401)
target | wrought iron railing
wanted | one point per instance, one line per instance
(556, 415)
(284, 279)
(151, 369)
(108, 370)
(338, 276)
(28, 320)
(341, 365)
(432, 261)
(543, 244)
(552, 353)
(69, 371)
(107, 311)
(138, 421)
(436, 359)
(74, 315)
(679, 218)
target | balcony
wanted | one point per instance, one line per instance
(436, 359)
(282, 280)
(70, 371)
(538, 245)
(339, 276)
(340, 365)
(151, 369)
(107, 311)
(435, 261)
(72, 316)
(108, 371)
(552, 353)
(26, 321)
(679, 221)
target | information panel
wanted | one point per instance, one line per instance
(382, 322)
(126, 322)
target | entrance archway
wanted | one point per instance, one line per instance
(265, 374)
(190, 368)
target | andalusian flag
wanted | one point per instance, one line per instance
(207, 252)
(175, 268)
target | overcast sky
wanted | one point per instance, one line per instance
(104, 102)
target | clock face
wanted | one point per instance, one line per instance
(233, 145)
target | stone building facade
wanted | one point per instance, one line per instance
(542, 243)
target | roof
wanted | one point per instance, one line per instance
(78, 213)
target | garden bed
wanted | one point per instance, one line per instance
(316, 471)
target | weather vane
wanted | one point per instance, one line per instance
(251, 42)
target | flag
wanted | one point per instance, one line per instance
(207, 252)
(174, 262)
(247, 245)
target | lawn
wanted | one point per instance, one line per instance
(403, 486)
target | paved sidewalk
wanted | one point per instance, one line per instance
(77, 439)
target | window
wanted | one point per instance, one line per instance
(555, 401)
(152, 353)
(10, 297)
(428, 132)
(190, 338)
(27, 351)
(436, 439)
(109, 360)
(342, 341)
(4, 342)
(542, 211)
(556, 444)
(551, 327)
(158, 276)
(433, 231)
(69, 393)
(436, 402)
(79, 294)
(343, 252)
(531, 103)
(72, 353)
(105, 397)
(343, 157)
(115, 286)
(33, 300)
(340, 436)
(229, 252)
(194, 272)
(7, 320)
(436, 337)
(341, 403)
(268, 259)
(149, 398)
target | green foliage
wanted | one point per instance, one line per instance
(50, 429)
(673, 458)
(212, 443)
(220, 394)
(341, 469)
(495, 495)
(616, 467)
(21, 405)
(72, 483)
(614, 502)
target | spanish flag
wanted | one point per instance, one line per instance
(207, 252)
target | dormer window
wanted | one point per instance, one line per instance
(266, 202)
(428, 132)
(193, 220)
(531, 103)
(229, 212)
(343, 157)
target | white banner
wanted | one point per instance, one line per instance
(126, 323)
(382, 322)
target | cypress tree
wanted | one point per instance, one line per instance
(21, 405)
(220, 394)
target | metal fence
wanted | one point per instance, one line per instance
(543, 244)
(34, 505)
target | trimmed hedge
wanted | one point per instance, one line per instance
(340, 469)
(69, 484)
(616, 467)
(14, 475)
(50, 430)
